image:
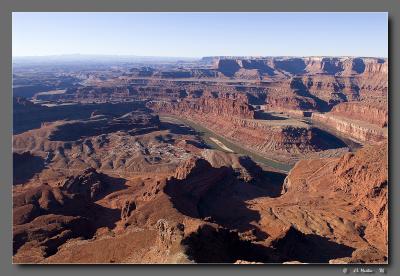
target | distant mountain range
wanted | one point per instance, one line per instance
(98, 58)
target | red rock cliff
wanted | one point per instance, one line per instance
(373, 114)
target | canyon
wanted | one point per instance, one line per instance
(216, 160)
(235, 120)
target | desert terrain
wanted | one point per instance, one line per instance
(212, 160)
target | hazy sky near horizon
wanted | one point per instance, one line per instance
(200, 34)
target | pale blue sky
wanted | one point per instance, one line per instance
(201, 34)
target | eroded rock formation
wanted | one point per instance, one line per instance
(351, 193)
(234, 120)
(100, 178)
(374, 114)
(45, 217)
(358, 130)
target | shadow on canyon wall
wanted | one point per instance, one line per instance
(24, 119)
(261, 115)
(25, 166)
(220, 195)
(210, 244)
(52, 215)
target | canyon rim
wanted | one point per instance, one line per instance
(214, 159)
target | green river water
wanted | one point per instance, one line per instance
(205, 134)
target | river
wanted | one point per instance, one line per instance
(216, 141)
(207, 136)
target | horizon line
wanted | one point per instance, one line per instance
(192, 57)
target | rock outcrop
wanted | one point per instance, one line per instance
(339, 66)
(191, 183)
(358, 130)
(90, 184)
(221, 105)
(127, 209)
(374, 114)
(310, 83)
(46, 217)
(364, 176)
(353, 192)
